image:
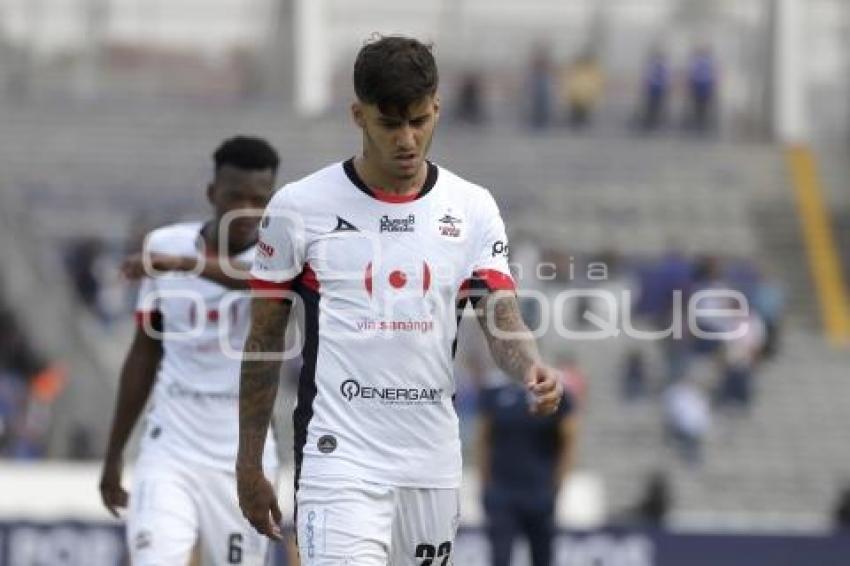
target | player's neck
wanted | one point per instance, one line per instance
(380, 182)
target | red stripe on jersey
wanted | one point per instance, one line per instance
(308, 278)
(263, 285)
(149, 319)
(426, 278)
(145, 317)
(394, 198)
(368, 279)
(495, 280)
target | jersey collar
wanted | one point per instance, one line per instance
(430, 181)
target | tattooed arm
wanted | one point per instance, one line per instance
(511, 343)
(257, 390)
(514, 350)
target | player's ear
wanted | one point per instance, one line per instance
(437, 105)
(211, 193)
(357, 114)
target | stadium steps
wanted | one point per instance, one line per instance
(787, 457)
(105, 164)
(835, 178)
(777, 227)
(841, 228)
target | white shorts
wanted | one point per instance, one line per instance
(173, 505)
(350, 522)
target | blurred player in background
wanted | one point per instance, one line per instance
(523, 460)
(379, 248)
(184, 486)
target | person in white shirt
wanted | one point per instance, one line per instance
(380, 249)
(193, 316)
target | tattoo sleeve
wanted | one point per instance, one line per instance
(259, 377)
(511, 343)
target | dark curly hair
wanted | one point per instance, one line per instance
(247, 153)
(394, 72)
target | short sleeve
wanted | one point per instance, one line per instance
(147, 300)
(490, 263)
(280, 248)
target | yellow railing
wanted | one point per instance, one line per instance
(821, 249)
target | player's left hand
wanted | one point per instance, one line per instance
(544, 384)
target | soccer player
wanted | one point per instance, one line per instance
(189, 315)
(379, 249)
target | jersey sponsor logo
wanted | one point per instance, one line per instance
(400, 278)
(343, 225)
(326, 444)
(265, 249)
(448, 225)
(388, 224)
(213, 315)
(499, 248)
(423, 326)
(311, 534)
(352, 390)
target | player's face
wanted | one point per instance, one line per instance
(246, 192)
(395, 144)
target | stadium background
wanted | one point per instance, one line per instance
(109, 110)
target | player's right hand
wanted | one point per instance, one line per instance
(111, 492)
(258, 502)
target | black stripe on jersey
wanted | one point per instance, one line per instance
(473, 290)
(461, 305)
(351, 173)
(307, 380)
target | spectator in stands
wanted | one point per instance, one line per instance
(841, 514)
(16, 353)
(523, 461)
(81, 262)
(702, 87)
(687, 417)
(470, 99)
(654, 508)
(581, 89)
(634, 384)
(656, 84)
(709, 276)
(540, 87)
(740, 356)
(768, 300)
(618, 287)
(12, 400)
(28, 387)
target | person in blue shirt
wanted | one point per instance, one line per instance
(702, 83)
(523, 461)
(656, 84)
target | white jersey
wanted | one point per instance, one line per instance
(380, 278)
(194, 410)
